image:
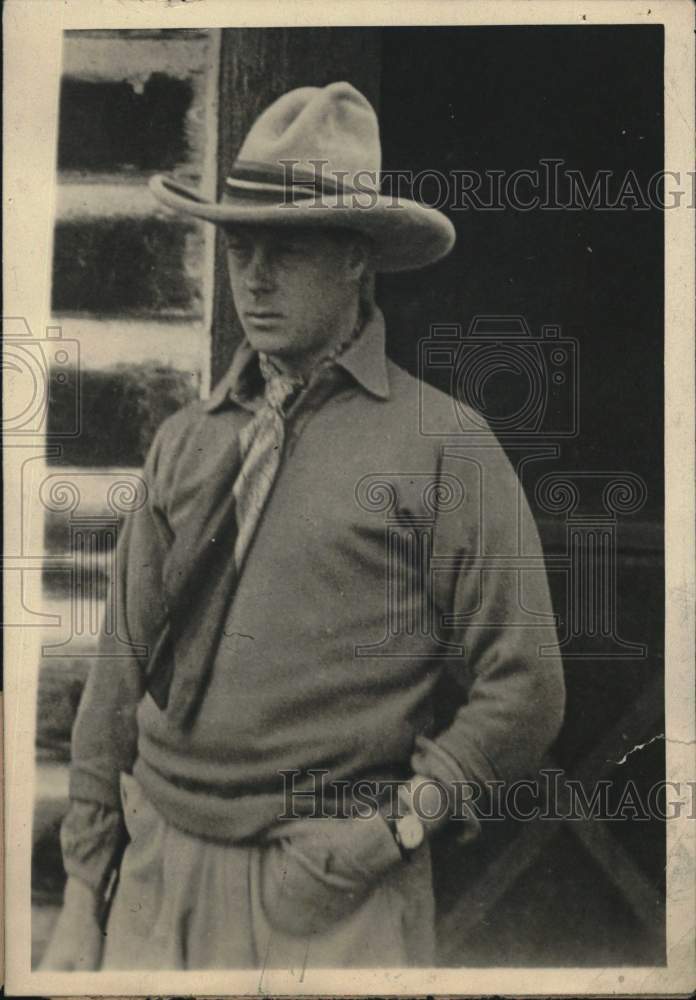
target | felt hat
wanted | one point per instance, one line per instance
(313, 158)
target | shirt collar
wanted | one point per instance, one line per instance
(365, 360)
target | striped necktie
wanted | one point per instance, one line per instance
(261, 441)
(261, 446)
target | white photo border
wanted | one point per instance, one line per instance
(33, 40)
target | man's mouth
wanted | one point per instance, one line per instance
(263, 314)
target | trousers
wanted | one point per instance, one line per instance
(315, 894)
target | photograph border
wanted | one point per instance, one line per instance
(33, 39)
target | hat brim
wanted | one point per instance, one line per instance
(405, 234)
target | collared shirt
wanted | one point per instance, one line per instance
(364, 360)
(360, 592)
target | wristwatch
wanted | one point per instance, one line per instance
(408, 832)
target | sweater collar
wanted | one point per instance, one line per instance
(365, 360)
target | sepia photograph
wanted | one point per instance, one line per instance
(349, 542)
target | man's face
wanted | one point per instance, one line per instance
(293, 288)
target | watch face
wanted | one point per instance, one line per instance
(410, 832)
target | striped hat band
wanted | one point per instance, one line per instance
(268, 182)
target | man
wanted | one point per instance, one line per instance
(260, 585)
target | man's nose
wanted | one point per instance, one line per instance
(260, 273)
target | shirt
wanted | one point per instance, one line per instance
(362, 586)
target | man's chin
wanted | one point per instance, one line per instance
(276, 347)
(270, 341)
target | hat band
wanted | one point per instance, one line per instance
(267, 182)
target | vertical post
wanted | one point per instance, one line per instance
(258, 65)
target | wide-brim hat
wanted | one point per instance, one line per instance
(313, 158)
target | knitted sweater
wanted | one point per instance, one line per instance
(379, 562)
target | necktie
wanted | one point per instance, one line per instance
(261, 441)
(261, 446)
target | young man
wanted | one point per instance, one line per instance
(260, 587)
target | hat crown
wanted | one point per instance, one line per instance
(294, 167)
(332, 130)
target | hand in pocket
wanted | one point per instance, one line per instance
(323, 870)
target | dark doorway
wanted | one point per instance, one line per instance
(494, 101)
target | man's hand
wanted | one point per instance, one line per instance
(429, 800)
(76, 943)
